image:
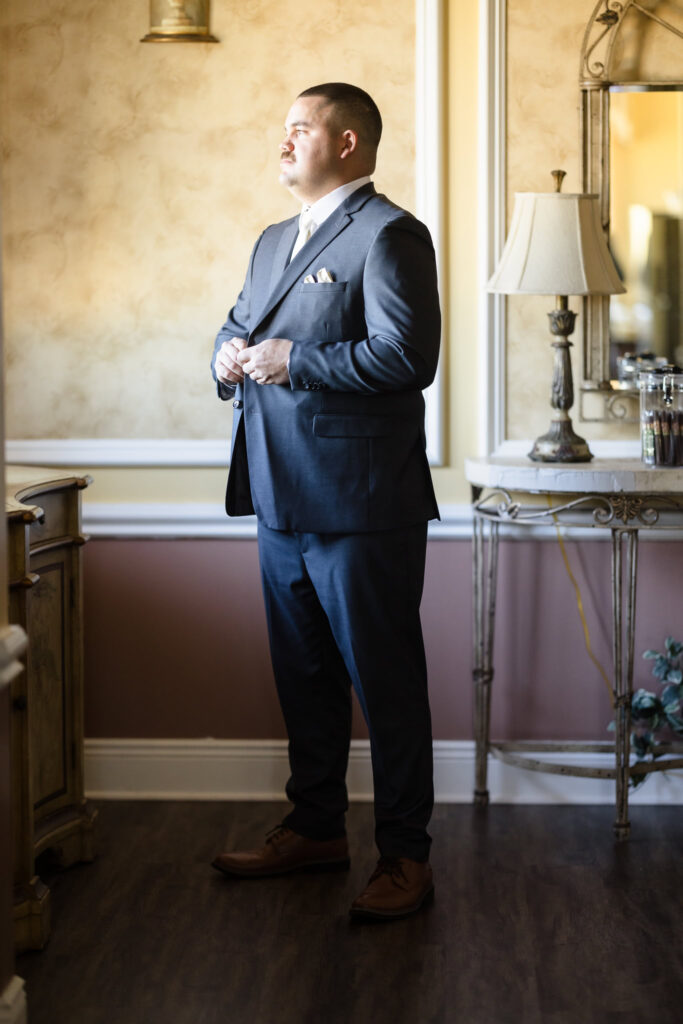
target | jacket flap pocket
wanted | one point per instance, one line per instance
(336, 425)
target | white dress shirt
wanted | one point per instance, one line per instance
(321, 209)
(312, 216)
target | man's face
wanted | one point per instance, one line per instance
(310, 153)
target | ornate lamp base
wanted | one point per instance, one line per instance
(560, 444)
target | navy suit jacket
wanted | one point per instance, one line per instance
(342, 447)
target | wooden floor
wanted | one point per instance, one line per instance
(539, 917)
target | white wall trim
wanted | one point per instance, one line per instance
(150, 520)
(155, 520)
(113, 451)
(491, 210)
(196, 519)
(94, 452)
(13, 1002)
(209, 769)
(430, 192)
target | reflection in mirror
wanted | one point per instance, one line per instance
(646, 236)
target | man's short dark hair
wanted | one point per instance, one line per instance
(355, 107)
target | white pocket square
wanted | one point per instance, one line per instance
(323, 276)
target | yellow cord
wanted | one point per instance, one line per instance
(579, 605)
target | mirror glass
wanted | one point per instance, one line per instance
(646, 230)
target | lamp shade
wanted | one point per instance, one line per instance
(556, 246)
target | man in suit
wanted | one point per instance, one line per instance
(324, 356)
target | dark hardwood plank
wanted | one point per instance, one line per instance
(539, 917)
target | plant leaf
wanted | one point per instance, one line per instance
(674, 720)
(673, 647)
(645, 707)
(650, 713)
(671, 695)
(661, 667)
(643, 744)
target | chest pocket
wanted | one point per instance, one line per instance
(324, 306)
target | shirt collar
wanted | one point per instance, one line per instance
(322, 208)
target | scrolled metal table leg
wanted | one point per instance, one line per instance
(623, 673)
(484, 601)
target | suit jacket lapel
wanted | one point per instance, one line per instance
(294, 271)
(284, 247)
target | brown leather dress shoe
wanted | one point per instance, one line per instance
(398, 886)
(285, 851)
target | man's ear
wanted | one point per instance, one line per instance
(349, 143)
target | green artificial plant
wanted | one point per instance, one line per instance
(654, 718)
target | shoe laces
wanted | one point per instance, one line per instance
(277, 833)
(390, 866)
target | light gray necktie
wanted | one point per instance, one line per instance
(306, 228)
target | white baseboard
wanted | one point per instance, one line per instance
(208, 769)
(13, 1003)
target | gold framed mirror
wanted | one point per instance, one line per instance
(631, 82)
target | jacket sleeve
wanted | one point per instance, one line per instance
(402, 317)
(236, 326)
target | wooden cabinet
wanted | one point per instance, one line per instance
(49, 810)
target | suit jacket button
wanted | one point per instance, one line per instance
(237, 404)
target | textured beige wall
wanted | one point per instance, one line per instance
(543, 133)
(137, 177)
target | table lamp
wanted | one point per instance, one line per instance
(556, 246)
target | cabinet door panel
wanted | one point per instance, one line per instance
(51, 686)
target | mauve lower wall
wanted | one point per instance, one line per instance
(175, 638)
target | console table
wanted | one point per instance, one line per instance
(621, 496)
(49, 810)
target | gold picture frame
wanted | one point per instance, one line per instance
(179, 21)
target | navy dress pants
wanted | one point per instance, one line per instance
(342, 611)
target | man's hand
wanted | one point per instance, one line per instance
(266, 363)
(228, 370)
